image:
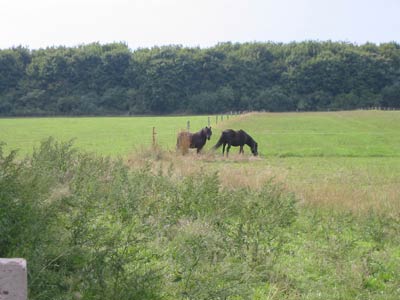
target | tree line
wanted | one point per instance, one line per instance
(101, 79)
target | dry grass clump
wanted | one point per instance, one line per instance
(350, 197)
(183, 142)
(344, 191)
(235, 171)
(145, 154)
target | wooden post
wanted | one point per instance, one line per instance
(188, 125)
(154, 136)
(216, 119)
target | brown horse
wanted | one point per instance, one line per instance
(193, 140)
(236, 138)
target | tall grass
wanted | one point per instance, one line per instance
(94, 228)
(347, 184)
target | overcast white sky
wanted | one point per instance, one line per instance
(146, 23)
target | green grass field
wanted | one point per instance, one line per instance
(115, 136)
(328, 157)
(347, 159)
(335, 134)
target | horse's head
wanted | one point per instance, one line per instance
(254, 149)
(208, 132)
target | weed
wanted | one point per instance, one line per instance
(93, 227)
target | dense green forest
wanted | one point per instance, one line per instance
(98, 79)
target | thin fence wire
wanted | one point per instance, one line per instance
(169, 137)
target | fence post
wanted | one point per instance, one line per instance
(154, 136)
(188, 125)
(13, 279)
(216, 119)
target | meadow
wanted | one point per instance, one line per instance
(347, 160)
(344, 159)
(114, 136)
(327, 134)
(315, 216)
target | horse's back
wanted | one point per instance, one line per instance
(232, 137)
(229, 134)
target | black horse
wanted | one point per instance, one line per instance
(193, 140)
(236, 138)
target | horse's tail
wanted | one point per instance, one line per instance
(219, 143)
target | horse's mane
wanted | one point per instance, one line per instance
(204, 131)
(249, 139)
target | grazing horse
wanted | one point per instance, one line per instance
(236, 138)
(193, 140)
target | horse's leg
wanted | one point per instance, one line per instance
(241, 149)
(223, 149)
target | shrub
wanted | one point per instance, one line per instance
(90, 228)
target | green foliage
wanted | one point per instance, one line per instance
(11, 205)
(333, 256)
(390, 95)
(173, 79)
(91, 228)
(273, 99)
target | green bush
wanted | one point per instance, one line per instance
(90, 228)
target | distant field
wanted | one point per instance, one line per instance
(336, 134)
(115, 136)
(346, 159)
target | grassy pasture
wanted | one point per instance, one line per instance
(335, 134)
(114, 136)
(332, 134)
(348, 160)
(344, 159)
(92, 228)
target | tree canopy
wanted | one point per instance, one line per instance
(96, 79)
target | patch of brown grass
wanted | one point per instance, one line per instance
(183, 142)
(235, 171)
(340, 191)
(350, 197)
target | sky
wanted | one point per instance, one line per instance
(204, 23)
